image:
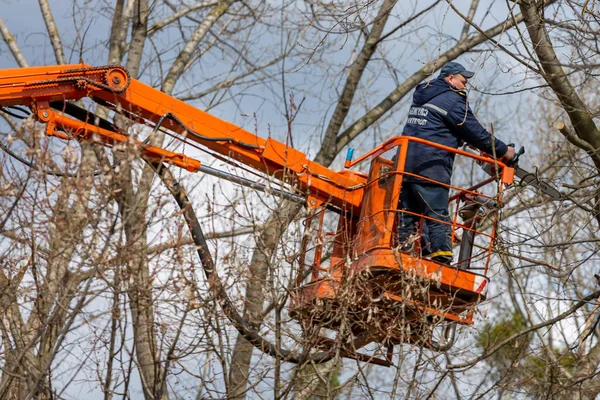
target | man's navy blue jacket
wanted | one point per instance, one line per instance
(440, 114)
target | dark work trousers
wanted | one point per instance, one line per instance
(430, 200)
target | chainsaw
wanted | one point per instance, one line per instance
(526, 177)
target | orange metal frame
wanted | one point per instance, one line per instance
(372, 246)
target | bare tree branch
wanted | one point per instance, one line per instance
(178, 66)
(179, 14)
(53, 34)
(12, 45)
(553, 73)
(118, 30)
(329, 149)
(585, 301)
(465, 31)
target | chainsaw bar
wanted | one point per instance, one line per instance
(531, 179)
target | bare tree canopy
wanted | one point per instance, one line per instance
(102, 291)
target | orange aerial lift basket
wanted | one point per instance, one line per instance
(353, 281)
(357, 278)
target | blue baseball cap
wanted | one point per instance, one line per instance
(453, 68)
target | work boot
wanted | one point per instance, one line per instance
(441, 256)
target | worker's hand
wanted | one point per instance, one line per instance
(510, 154)
(511, 157)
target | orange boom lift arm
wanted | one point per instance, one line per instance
(411, 295)
(111, 86)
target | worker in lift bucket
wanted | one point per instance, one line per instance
(439, 113)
